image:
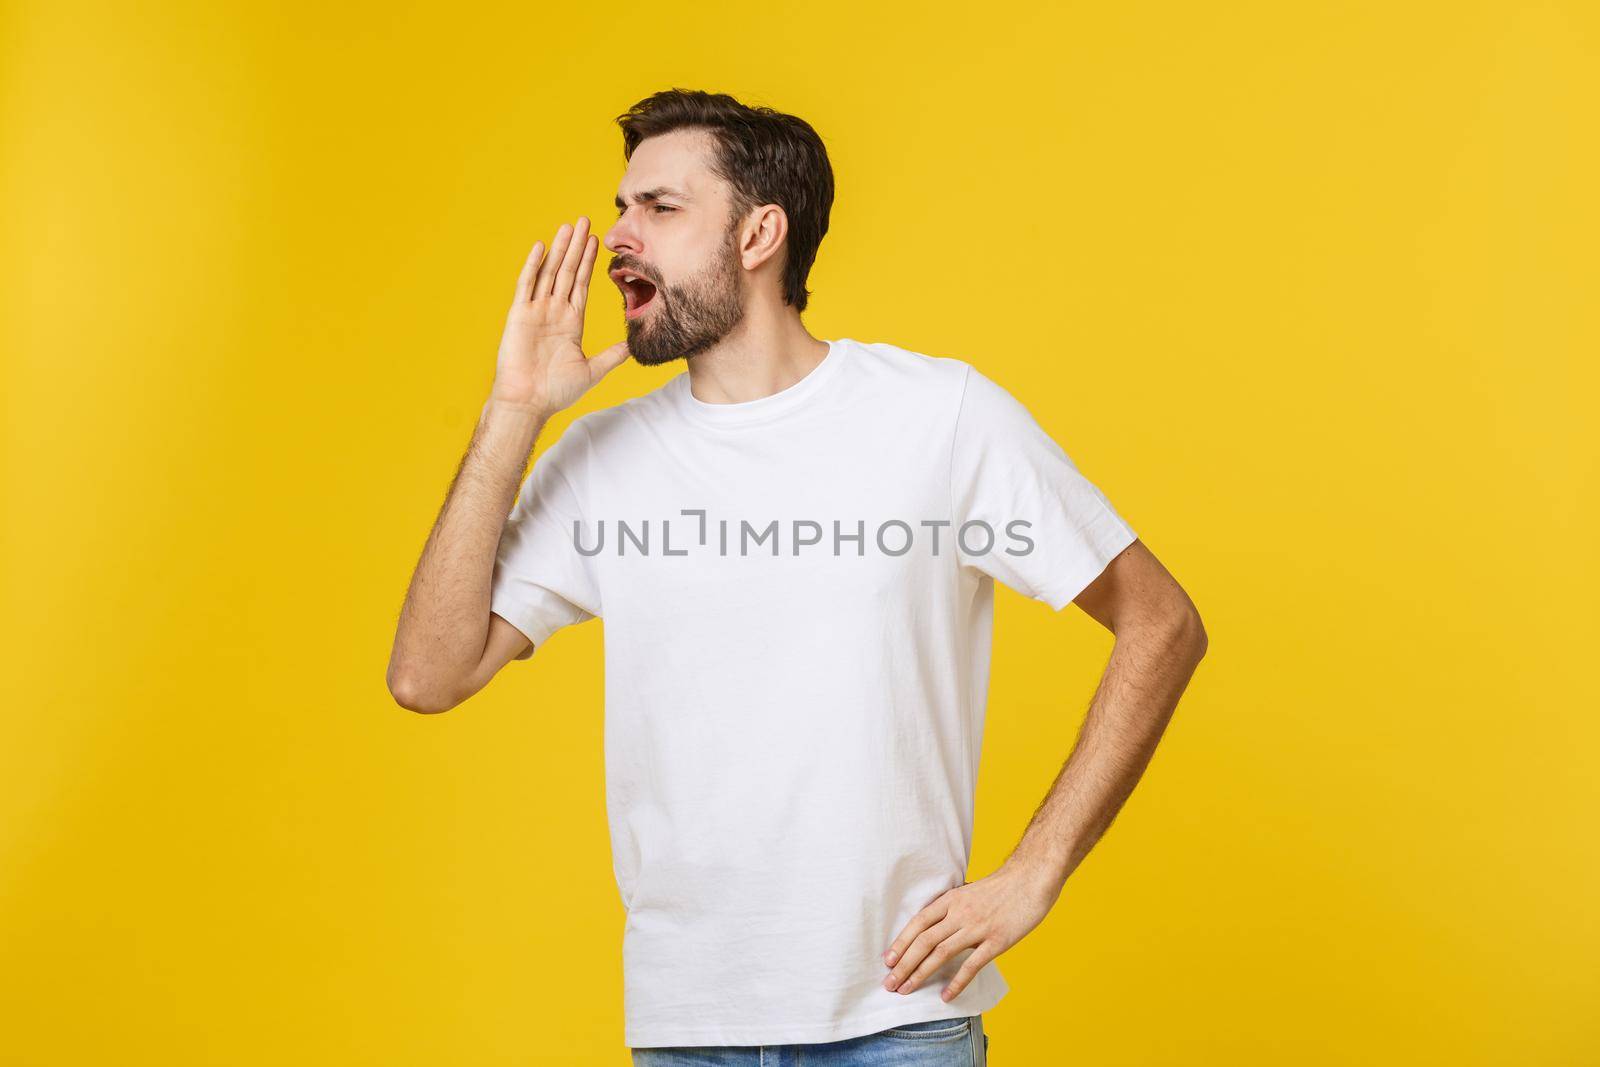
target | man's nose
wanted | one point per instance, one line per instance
(621, 239)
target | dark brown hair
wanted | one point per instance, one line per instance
(767, 157)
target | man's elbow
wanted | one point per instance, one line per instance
(1188, 632)
(415, 694)
(1172, 627)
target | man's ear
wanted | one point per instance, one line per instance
(762, 235)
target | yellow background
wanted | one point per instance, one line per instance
(1306, 290)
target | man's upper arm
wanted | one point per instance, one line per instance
(504, 644)
(541, 582)
(1007, 473)
(1135, 588)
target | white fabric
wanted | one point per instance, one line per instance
(792, 740)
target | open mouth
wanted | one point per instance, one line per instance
(637, 293)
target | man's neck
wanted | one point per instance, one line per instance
(766, 353)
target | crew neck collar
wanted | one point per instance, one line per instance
(762, 409)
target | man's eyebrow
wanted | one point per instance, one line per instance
(657, 193)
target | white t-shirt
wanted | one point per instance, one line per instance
(798, 598)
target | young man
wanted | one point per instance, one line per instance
(794, 545)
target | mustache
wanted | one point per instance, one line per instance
(618, 263)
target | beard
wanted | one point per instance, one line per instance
(691, 317)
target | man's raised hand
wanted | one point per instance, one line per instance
(541, 365)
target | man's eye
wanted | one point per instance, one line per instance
(663, 207)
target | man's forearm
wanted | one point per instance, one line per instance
(444, 622)
(1137, 694)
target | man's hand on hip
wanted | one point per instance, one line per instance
(987, 916)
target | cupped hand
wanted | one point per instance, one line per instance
(541, 364)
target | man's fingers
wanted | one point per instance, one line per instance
(919, 922)
(916, 951)
(603, 363)
(953, 941)
(576, 248)
(525, 279)
(546, 281)
(969, 970)
(580, 286)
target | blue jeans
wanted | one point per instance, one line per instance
(939, 1043)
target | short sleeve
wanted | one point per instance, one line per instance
(1023, 513)
(541, 581)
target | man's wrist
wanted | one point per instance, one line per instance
(508, 429)
(501, 410)
(1045, 874)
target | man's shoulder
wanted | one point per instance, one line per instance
(604, 423)
(909, 374)
(900, 359)
(954, 386)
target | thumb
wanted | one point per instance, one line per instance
(603, 363)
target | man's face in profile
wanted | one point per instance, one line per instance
(674, 235)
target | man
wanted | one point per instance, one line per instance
(794, 546)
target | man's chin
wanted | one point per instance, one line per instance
(649, 359)
(642, 349)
